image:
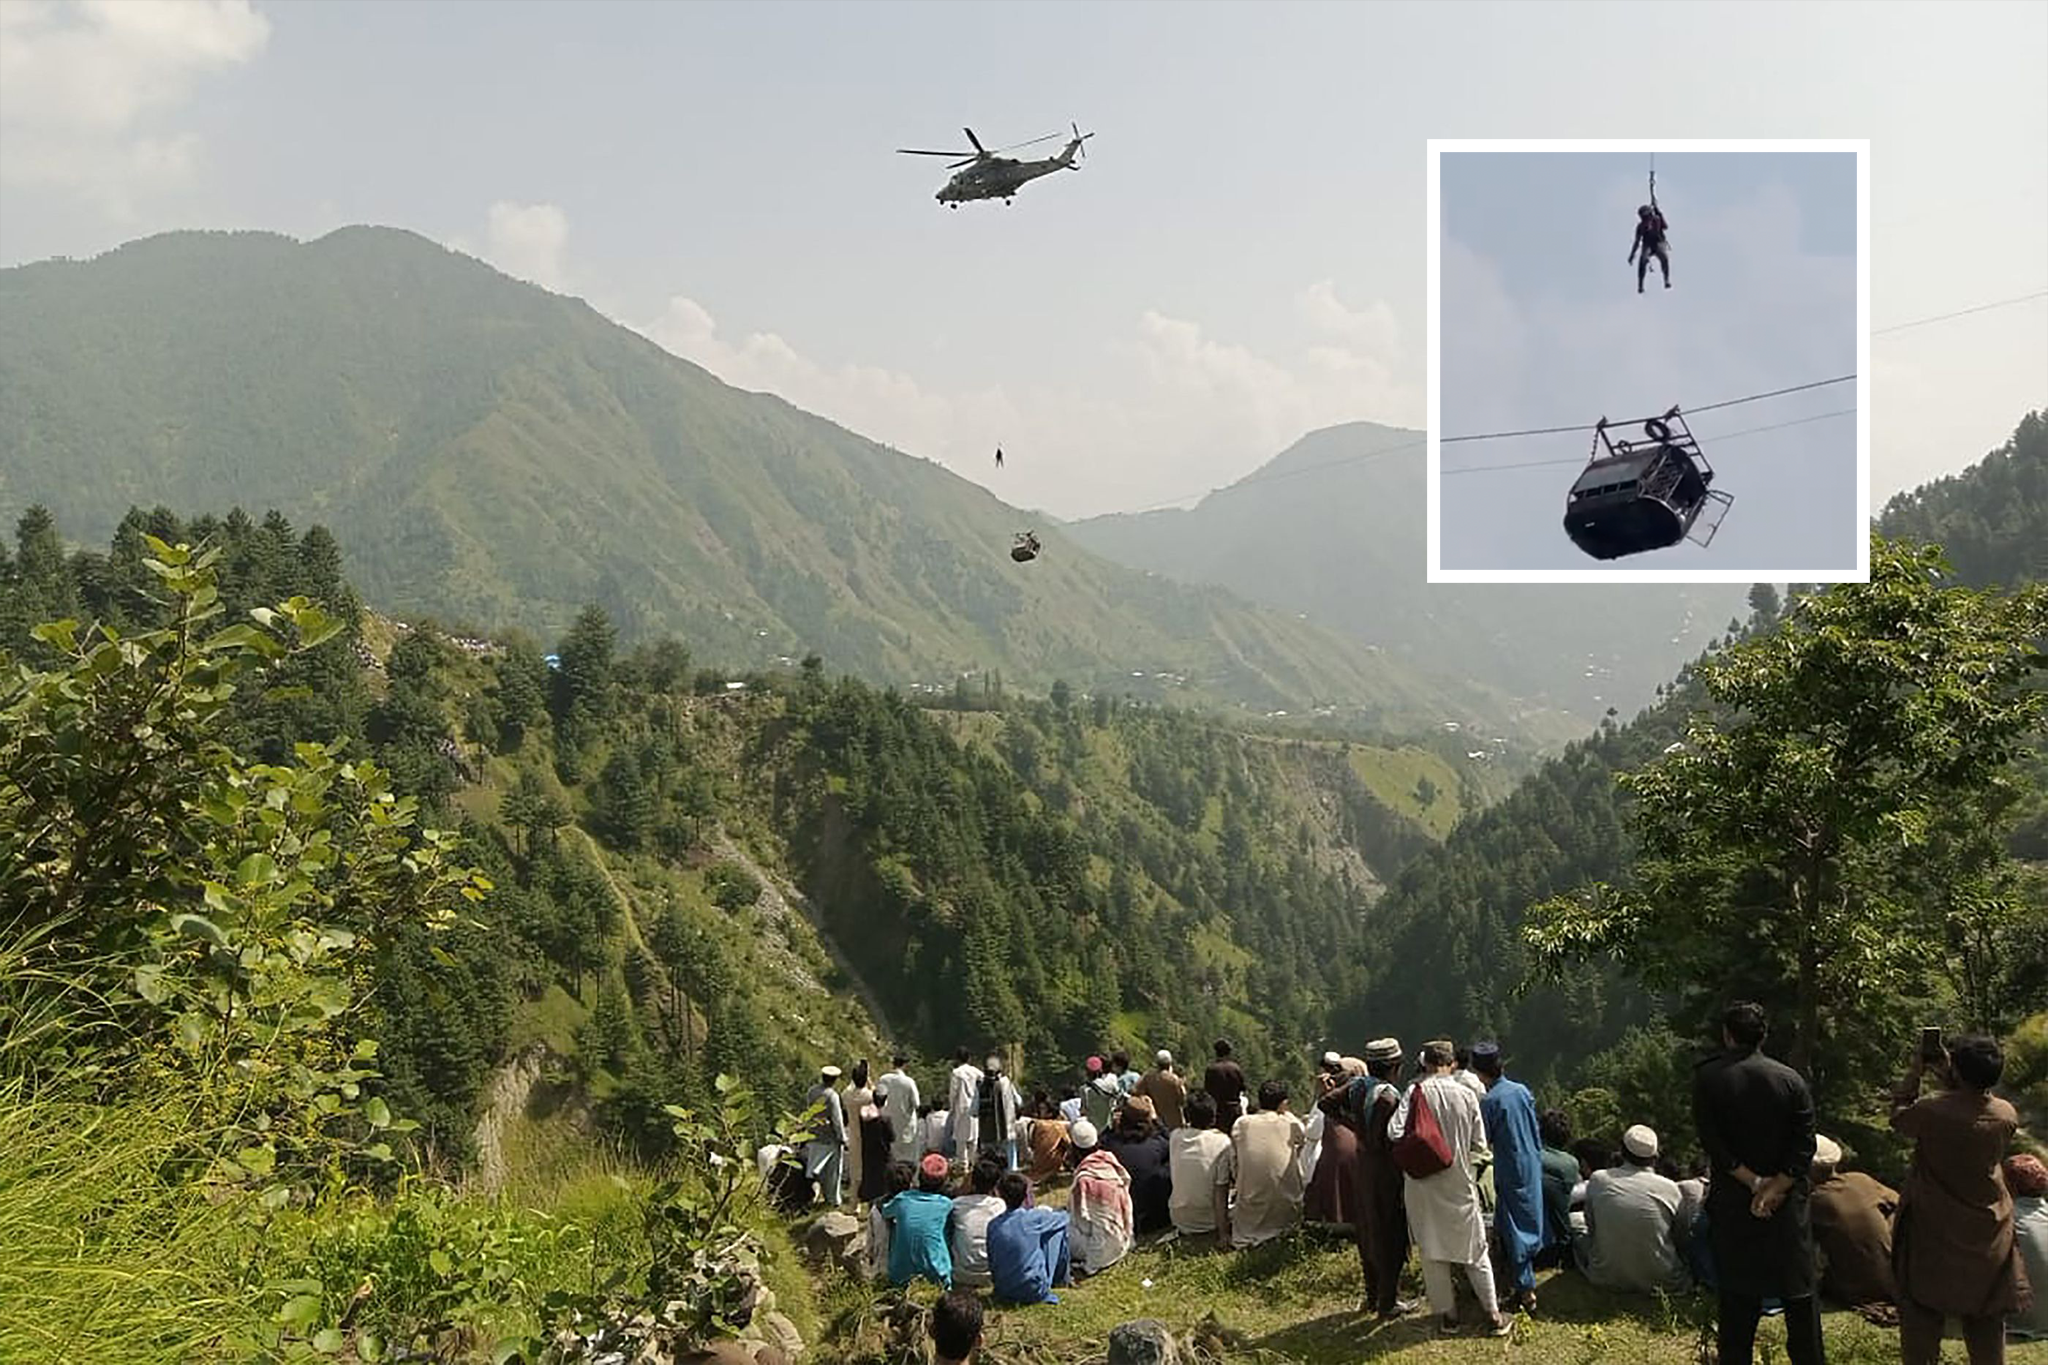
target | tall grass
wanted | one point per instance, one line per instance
(101, 1259)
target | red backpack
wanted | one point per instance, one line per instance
(1422, 1150)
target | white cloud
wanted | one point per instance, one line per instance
(1193, 412)
(84, 86)
(1184, 412)
(528, 242)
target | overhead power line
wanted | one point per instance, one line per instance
(1962, 312)
(1588, 426)
(1259, 480)
(1718, 440)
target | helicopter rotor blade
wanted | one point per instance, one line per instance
(975, 140)
(914, 151)
(1032, 143)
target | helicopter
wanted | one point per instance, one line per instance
(1644, 495)
(983, 174)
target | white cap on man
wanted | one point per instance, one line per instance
(1163, 1057)
(1640, 1142)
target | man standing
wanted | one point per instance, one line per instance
(1264, 1163)
(1102, 1096)
(902, 1110)
(1509, 1114)
(1952, 1246)
(1382, 1228)
(1443, 1209)
(1167, 1091)
(1755, 1120)
(1225, 1080)
(997, 1115)
(963, 1102)
(825, 1153)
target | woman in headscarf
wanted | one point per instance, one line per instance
(1099, 1206)
(1332, 1197)
(877, 1137)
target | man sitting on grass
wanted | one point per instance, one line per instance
(1027, 1247)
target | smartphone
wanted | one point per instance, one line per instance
(1930, 1044)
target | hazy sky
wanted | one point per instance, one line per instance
(1240, 258)
(1542, 326)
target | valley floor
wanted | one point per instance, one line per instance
(1296, 1303)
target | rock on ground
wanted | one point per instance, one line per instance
(838, 1238)
(1144, 1342)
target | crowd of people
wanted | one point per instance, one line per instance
(1445, 1155)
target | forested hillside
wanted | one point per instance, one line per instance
(1450, 952)
(496, 456)
(1057, 876)
(1334, 526)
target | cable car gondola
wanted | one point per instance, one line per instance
(1644, 495)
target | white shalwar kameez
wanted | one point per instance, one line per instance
(902, 1111)
(963, 1100)
(1444, 1216)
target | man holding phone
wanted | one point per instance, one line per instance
(1756, 1125)
(1953, 1246)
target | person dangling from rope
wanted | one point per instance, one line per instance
(1652, 239)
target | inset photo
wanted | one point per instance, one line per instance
(1649, 361)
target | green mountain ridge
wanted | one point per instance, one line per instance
(496, 455)
(1336, 527)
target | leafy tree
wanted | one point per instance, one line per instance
(1830, 845)
(583, 683)
(201, 922)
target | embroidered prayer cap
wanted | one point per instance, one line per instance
(1640, 1142)
(1094, 1065)
(830, 1073)
(935, 1165)
(1487, 1049)
(1084, 1135)
(2026, 1176)
(1383, 1050)
(1827, 1154)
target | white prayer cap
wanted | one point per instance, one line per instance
(830, 1073)
(1827, 1154)
(1640, 1142)
(994, 1064)
(1163, 1057)
(1332, 1059)
(1084, 1135)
